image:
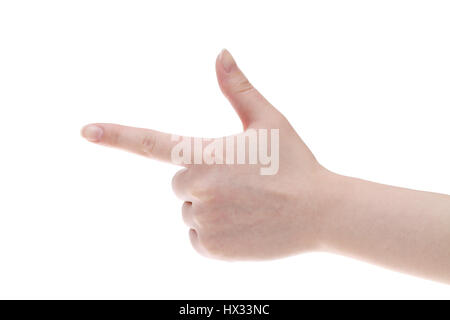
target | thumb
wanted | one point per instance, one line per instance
(249, 104)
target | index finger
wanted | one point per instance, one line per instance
(146, 142)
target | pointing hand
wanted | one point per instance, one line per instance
(261, 193)
(234, 210)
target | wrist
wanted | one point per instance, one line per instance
(334, 196)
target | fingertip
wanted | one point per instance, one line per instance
(92, 133)
(224, 66)
(226, 60)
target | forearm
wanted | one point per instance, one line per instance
(399, 228)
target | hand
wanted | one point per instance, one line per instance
(234, 211)
(238, 211)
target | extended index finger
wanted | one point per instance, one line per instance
(146, 142)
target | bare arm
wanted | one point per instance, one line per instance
(403, 229)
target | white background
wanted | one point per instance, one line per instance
(365, 83)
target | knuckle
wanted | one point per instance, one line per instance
(206, 195)
(244, 86)
(179, 180)
(206, 189)
(199, 188)
(177, 176)
(148, 143)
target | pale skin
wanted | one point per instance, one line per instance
(234, 213)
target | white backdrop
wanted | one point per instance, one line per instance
(365, 83)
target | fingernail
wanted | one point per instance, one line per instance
(227, 60)
(92, 133)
